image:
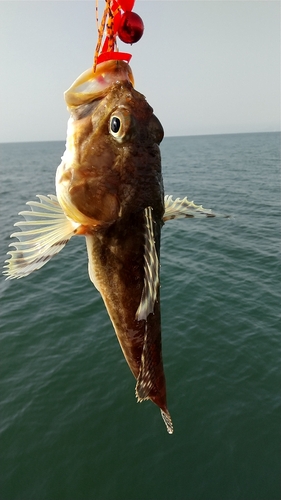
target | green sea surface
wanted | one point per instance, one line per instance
(70, 426)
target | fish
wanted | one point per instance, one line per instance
(109, 189)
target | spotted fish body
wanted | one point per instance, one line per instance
(110, 189)
(112, 176)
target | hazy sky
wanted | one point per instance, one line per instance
(205, 66)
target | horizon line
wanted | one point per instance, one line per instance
(165, 137)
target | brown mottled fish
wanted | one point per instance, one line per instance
(109, 189)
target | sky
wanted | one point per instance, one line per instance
(206, 67)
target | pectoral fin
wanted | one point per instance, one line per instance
(44, 232)
(151, 270)
(182, 208)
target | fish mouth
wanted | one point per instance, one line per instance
(91, 85)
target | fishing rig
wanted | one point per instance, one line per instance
(120, 21)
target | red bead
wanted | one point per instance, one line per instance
(130, 28)
(126, 4)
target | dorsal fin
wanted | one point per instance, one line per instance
(145, 377)
(151, 270)
(45, 231)
(145, 381)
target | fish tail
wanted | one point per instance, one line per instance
(162, 406)
(168, 421)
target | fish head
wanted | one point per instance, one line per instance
(111, 165)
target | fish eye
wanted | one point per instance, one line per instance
(119, 124)
(115, 124)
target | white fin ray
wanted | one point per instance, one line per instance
(182, 208)
(151, 270)
(44, 233)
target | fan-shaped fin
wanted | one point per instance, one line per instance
(181, 208)
(44, 232)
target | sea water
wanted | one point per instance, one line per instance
(70, 426)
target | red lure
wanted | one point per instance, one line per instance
(117, 20)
